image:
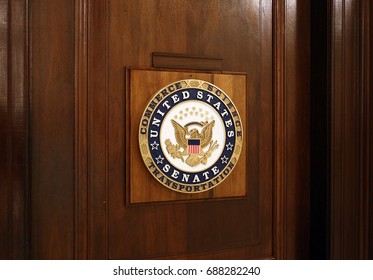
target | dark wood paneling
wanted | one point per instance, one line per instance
(108, 166)
(367, 129)
(370, 133)
(52, 129)
(350, 131)
(4, 130)
(81, 124)
(292, 128)
(78, 51)
(297, 128)
(13, 130)
(97, 129)
(365, 119)
(241, 34)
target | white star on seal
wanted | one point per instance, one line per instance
(154, 146)
(159, 159)
(229, 146)
(224, 159)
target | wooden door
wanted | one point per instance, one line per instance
(81, 60)
(125, 40)
(176, 225)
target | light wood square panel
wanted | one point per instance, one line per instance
(141, 186)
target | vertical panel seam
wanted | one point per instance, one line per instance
(341, 209)
(107, 142)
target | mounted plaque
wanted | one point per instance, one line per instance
(186, 128)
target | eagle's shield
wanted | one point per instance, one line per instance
(194, 146)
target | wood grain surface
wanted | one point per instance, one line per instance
(14, 138)
(52, 129)
(350, 130)
(64, 180)
(238, 33)
(140, 186)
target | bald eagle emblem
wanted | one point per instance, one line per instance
(191, 144)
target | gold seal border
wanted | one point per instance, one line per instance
(144, 145)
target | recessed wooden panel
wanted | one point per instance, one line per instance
(350, 131)
(141, 185)
(233, 227)
(13, 130)
(52, 129)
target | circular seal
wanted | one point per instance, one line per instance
(190, 136)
